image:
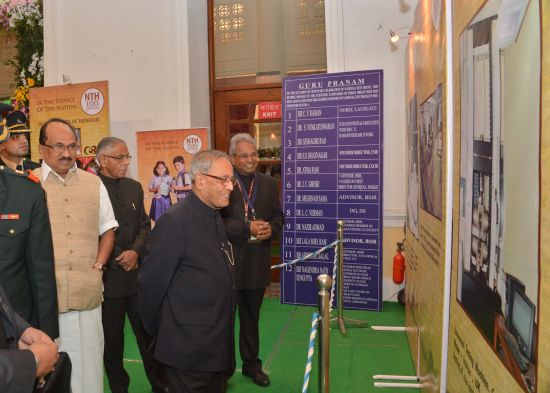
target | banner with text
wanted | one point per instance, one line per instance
(164, 158)
(84, 105)
(332, 149)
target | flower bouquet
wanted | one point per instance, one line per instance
(24, 19)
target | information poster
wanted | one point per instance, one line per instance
(332, 149)
(158, 152)
(499, 338)
(84, 105)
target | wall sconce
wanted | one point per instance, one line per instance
(394, 37)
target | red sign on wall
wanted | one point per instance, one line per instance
(269, 110)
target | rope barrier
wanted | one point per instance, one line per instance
(315, 317)
(311, 349)
(334, 279)
(310, 255)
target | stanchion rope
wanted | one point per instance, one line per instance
(334, 278)
(310, 255)
(311, 349)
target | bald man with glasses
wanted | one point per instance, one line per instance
(83, 224)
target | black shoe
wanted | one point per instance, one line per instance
(259, 378)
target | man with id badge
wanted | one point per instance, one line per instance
(252, 219)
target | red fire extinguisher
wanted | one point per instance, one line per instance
(399, 265)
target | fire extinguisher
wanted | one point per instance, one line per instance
(399, 265)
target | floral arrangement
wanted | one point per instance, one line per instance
(24, 18)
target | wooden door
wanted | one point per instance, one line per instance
(236, 111)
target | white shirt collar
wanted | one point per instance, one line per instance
(46, 170)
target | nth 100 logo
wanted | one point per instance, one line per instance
(90, 150)
(92, 101)
(192, 144)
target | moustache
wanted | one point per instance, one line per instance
(65, 159)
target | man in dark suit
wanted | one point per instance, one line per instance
(26, 261)
(186, 284)
(120, 277)
(252, 219)
(14, 151)
(25, 352)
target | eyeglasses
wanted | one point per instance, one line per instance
(245, 156)
(60, 147)
(120, 158)
(226, 180)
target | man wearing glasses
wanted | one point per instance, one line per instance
(83, 225)
(186, 284)
(252, 219)
(120, 277)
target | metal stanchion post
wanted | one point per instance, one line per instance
(324, 282)
(340, 282)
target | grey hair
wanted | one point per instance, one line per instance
(107, 142)
(203, 161)
(242, 137)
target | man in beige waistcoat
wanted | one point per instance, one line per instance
(83, 225)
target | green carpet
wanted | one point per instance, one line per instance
(284, 332)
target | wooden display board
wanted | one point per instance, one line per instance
(426, 174)
(498, 338)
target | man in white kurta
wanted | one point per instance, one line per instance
(83, 225)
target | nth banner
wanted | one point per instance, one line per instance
(158, 174)
(332, 149)
(84, 105)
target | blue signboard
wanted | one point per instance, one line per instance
(332, 170)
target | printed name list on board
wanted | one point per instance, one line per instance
(332, 170)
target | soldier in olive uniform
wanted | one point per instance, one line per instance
(14, 151)
(26, 261)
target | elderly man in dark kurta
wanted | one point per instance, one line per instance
(120, 277)
(252, 219)
(186, 285)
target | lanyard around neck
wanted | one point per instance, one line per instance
(248, 197)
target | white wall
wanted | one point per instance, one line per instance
(154, 56)
(358, 39)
